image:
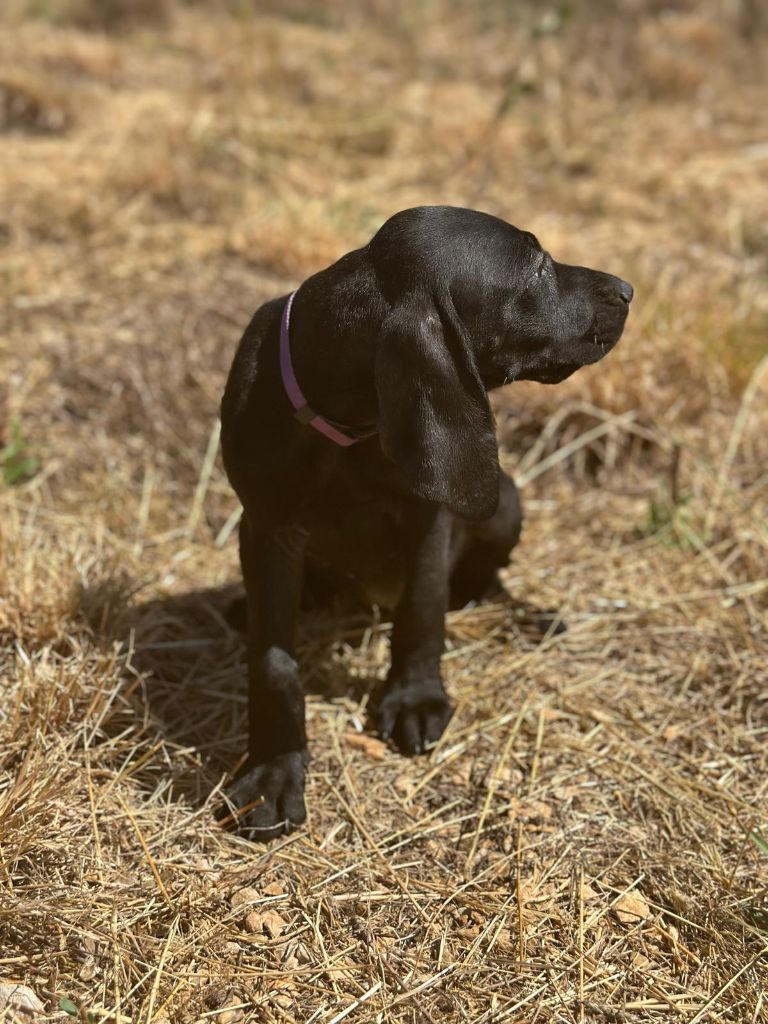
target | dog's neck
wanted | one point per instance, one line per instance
(339, 433)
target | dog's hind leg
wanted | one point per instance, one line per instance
(481, 549)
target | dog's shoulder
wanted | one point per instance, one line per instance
(245, 365)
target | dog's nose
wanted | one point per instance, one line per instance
(626, 291)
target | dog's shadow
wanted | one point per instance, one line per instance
(187, 678)
(187, 675)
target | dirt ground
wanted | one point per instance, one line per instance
(589, 840)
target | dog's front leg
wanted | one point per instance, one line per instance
(268, 791)
(414, 708)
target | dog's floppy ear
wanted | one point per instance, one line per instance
(435, 422)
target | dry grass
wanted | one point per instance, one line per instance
(588, 841)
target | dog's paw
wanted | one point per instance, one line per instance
(267, 800)
(413, 715)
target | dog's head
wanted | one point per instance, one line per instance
(474, 303)
(529, 317)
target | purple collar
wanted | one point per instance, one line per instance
(335, 432)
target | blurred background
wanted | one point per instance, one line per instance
(591, 837)
(167, 165)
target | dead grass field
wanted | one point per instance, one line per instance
(589, 841)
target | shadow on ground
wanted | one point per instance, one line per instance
(186, 677)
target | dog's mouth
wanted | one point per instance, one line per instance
(588, 349)
(553, 362)
(557, 372)
(594, 345)
(598, 341)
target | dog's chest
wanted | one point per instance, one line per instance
(355, 527)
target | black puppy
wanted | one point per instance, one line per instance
(357, 433)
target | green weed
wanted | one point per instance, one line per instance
(16, 463)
